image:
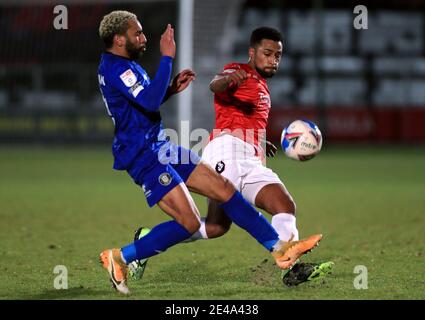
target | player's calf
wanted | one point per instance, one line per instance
(216, 230)
(275, 199)
(179, 204)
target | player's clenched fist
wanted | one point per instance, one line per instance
(167, 45)
(236, 77)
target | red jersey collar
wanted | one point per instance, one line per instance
(254, 71)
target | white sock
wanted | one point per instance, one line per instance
(285, 226)
(200, 234)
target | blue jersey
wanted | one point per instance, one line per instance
(132, 100)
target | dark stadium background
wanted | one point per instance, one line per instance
(61, 203)
(358, 85)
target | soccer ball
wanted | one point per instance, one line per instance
(301, 140)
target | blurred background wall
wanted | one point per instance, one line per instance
(364, 85)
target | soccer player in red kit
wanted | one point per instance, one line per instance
(236, 150)
(238, 146)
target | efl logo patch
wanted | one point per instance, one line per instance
(165, 179)
(220, 166)
(129, 78)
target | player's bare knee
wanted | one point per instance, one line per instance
(193, 225)
(294, 208)
(223, 229)
(286, 205)
(290, 206)
(189, 222)
(216, 230)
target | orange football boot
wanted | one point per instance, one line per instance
(111, 260)
(286, 253)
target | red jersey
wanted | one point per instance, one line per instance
(243, 110)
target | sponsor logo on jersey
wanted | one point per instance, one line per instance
(264, 99)
(128, 77)
(165, 179)
(220, 166)
(135, 90)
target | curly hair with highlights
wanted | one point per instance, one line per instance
(115, 22)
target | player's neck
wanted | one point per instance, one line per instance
(252, 66)
(118, 52)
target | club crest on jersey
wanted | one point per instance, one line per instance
(128, 77)
(165, 179)
(220, 166)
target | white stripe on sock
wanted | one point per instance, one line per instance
(200, 234)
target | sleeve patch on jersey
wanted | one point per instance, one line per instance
(229, 70)
(128, 77)
(135, 90)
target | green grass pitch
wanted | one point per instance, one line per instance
(63, 206)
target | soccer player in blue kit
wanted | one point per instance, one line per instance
(165, 171)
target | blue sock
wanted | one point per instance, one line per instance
(246, 217)
(159, 239)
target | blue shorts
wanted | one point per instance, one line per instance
(159, 171)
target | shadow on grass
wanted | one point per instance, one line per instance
(72, 293)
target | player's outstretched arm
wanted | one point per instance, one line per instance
(223, 80)
(158, 91)
(180, 82)
(152, 96)
(167, 45)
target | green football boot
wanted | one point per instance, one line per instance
(302, 272)
(136, 269)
